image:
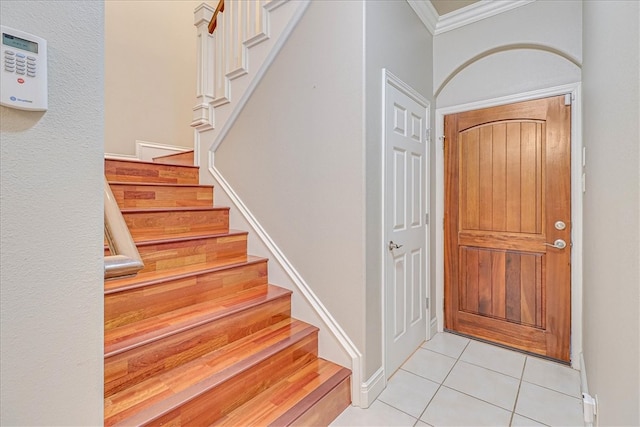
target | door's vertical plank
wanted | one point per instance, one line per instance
(528, 178)
(512, 266)
(486, 181)
(470, 186)
(498, 283)
(539, 294)
(528, 289)
(462, 289)
(499, 184)
(540, 154)
(472, 280)
(513, 178)
(484, 282)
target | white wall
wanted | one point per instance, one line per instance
(51, 227)
(611, 80)
(397, 40)
(295, 157)
(554, 26)
(150, 77)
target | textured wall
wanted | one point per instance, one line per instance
(150, 73)
(611, 86)
(51, 226)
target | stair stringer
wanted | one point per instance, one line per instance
(333, 342)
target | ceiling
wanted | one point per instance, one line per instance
(445, 6)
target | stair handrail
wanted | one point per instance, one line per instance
(214, 19)
(125, 259)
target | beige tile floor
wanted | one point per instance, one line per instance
(454, 381)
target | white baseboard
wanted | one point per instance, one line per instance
(371, 389)
(584, 386)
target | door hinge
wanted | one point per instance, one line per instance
(426, 219)
(568, 98)
(427, 303)
(442, 138)
(428, 135)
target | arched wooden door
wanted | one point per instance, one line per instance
(508, 225)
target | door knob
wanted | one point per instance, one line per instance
(393, 246)
(558, 244)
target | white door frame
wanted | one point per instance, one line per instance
(387, 76)
(577, 185)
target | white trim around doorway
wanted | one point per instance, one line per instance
(577, 190)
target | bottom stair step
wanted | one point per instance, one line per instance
(313, 396)
(204, 390)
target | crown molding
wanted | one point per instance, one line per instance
(475, 12)
(426, 12)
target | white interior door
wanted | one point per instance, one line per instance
(406, 116)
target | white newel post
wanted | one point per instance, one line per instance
(203, 119)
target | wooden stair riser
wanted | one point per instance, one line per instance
(173, 254)
(185, 159)
(161, 196)
(133, 366)
(135, 304)
(147, 225)
(134, 171)
(232, 393)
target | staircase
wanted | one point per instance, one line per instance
(199, 337)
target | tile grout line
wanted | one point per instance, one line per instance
(515, 403)
(445, 378)
(399, 410)
(552, 389)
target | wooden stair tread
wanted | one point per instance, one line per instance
(286, 401)
(155, 277)
(142, 242)
(160, 394)
(154, 239)
(157, 184)
(151, 329)
(174, 209)
(145, 162)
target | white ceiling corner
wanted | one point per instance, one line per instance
(476, 12)
(467, 15)
(426, 12)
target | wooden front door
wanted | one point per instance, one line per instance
(507, 215)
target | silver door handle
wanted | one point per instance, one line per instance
(558, 244)
(393, 246)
